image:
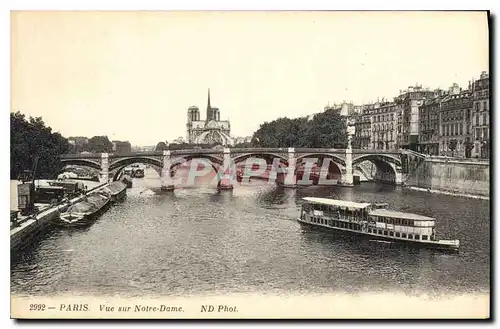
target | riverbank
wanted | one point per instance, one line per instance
(460, 177)
(29, 226)
(470, 196)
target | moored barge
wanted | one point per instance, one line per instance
(84, 213)
(373, 221)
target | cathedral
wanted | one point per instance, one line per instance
(209, 131)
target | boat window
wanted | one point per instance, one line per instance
(417, 237)
(412, 223)
(385, 232)
(405, 222)
(397, 234)
(424, 237)
(410, 236)
(403, 235)
(391, 233)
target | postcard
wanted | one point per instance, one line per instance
(250, 165)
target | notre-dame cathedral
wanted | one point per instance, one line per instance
(209, 131)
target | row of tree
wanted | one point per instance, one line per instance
(326, 129)
(30, 138)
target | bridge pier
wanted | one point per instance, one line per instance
(105, 167)
(348, 178)
(226, 181)
(290, 179)
(167, 183)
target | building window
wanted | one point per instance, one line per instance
(403, 235)
(397, 234)
(385, 232)
(461, 128)
(485, 106)
(424, 237)
(417, 237)
(410, 236)
(477, 106)
(484, 119)
(391, 233)
(477, 119)
(485, 133)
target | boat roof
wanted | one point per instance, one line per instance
(338, 203)
(398, 214)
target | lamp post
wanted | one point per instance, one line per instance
(348, 178)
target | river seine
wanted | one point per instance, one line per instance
(197, 241)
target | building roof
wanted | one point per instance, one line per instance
(397, 214)
(338, 203)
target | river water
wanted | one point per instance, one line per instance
(198, 241)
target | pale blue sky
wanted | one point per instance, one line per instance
(132, 75)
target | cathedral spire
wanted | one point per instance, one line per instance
(208, 104)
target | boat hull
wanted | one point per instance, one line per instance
(83, 220)
(421, 244)
(120, 196)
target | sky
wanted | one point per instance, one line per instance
(133, 75)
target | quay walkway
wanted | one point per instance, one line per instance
(24, 228)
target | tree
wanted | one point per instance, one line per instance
(161, 146)
(29, 139)
(122, 147)
(100, 144)
(452, 146)
(326, 129)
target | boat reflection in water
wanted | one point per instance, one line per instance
(84, 213)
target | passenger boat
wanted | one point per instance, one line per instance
(85, 212)
(373, 221)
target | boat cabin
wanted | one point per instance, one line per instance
(401, 225)
(335, 213)
(367, 218)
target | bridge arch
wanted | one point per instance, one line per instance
(215, 162)
(338, 162)
(81, 162)
(116, 172)
(266, 156)
(388, 167)
(122, 163)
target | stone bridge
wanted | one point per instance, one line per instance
(390, 165)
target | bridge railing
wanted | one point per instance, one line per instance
(236, 150)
